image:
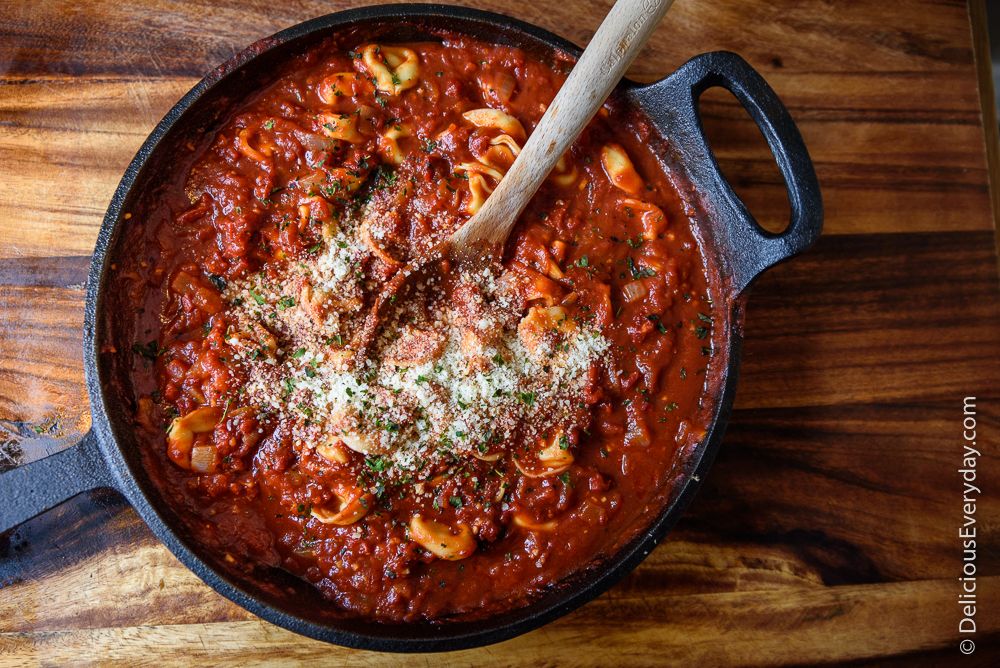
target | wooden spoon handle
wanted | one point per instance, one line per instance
(613, 48)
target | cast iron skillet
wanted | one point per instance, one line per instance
(736, 247)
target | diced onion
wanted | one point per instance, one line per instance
(366, 114)
(311, 182)
(634, 291)
(505, 87)
(310, 141)
(497, 87)
(638, 437)
(202, 458)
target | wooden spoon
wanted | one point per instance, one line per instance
(613, 48)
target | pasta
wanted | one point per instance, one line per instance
(395, 69)
(341, 85)
(351, 505)
(525, 522)
(482, 180)
(497, 120)
(180, 439)
(441, 541)
(333, 452)
(341, 126)
(553, 458)
(248, 150)
(389, 144)
(565, 174)
(654, 223)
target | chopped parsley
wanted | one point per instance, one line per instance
(377, 464)
(659, 323)
(218, 281)
(637, 271)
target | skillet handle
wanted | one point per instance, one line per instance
(746, 248)
(33, 488)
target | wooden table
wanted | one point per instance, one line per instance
(827, 531)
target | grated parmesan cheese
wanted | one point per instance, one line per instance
(488, 379)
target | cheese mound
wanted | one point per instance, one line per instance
(461, 366)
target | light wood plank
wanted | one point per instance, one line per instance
(836, 624)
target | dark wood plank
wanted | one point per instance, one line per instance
(875, 318)
(987, 101)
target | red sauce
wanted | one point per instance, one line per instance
(608, 245)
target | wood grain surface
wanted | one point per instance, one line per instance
(826, 533)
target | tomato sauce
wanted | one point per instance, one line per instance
(404, 139)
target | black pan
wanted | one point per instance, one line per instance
(736, 247)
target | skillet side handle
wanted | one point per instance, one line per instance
(33, 488)
(747, 249)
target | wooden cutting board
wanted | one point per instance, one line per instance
(827, 531)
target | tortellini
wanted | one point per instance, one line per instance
(351, 505)
(395, 68)
(495, 118)
(541, 323)
(441, 540)
(494, 162)
(244, 146)
(180, 439)
(339, 85)
(389, 143)
(480, 186)
(653, 220)
(565, 173)
(341, 126)
(553, 458)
